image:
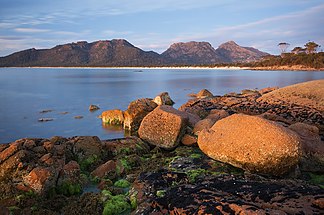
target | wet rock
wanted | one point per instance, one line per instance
(113, 117)
(223, 195)
(106, 169)
(163, 127)
(126, 146)
(135, 113)
(45, 119)
(93, 108)
(10, 167)
(13, 148)
(29, 144)
(86, 146)
(163, 99)
(188, 140)
(204, 93)
(70, 173)
(312, 146)
(251, 143)
(47, 159)
(48, 145)
(41, 179)
(78, 117)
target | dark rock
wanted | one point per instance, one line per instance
(312, 147)
(93, 108)
(45, 119)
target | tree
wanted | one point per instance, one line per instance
(298, 50)
(311, 47)
(283, 46)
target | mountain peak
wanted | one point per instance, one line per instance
(119, 52)
(236, 53)
(192, 53)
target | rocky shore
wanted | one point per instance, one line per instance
(254, 152)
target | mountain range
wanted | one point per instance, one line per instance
(119, 52)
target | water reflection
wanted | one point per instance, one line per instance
(25, 91)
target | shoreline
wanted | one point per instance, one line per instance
(271, 68)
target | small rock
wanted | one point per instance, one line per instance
(188, 140)
(45, 119)
(319, 203)
(204, 93)
(86, 146)
(46, 111)
(93, 108)
(163, 99)
(9, 151)
(70, 173)
(113, 117)
(105, 169)
(203, 124)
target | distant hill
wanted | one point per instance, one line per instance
(192, 53)
(119, 52)
(232, 53)
(100, 53)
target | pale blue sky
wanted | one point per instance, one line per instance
(156, 24)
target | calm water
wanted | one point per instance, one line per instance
(25, 92)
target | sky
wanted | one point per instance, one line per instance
(153, 25)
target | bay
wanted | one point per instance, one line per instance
(27, 93)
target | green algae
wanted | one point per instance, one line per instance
(69, 189)
(317, 179)
(122, 183)
(115, 204)
(85, 164)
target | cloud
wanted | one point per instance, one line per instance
(265, 34)
(31, 30)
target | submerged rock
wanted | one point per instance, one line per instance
(93, 108)
(113, 117)
(251, 143)
(163, 127)
(45, 119)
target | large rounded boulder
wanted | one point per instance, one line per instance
(135, 113)
(163, 127)
(252, 143)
